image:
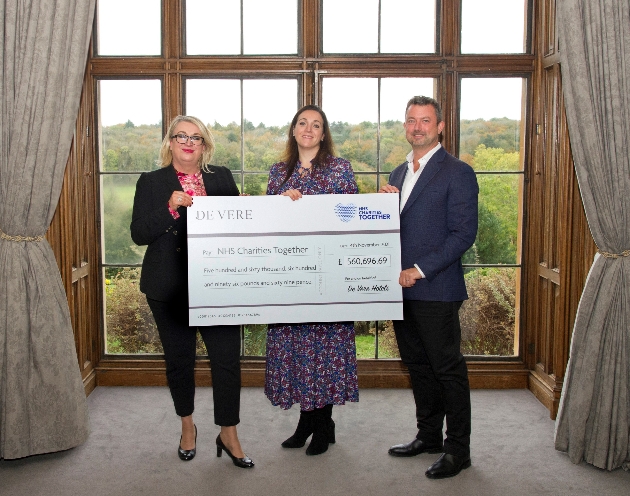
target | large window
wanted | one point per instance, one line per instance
(490, 140)
(245, 66)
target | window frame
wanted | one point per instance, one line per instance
(447, 65)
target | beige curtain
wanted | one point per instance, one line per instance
(594, 419)
(43, 50)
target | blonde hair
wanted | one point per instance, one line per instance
(166, 156)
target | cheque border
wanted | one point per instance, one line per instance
(298, 304)
(284, 233)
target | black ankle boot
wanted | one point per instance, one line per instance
(323, 431)
(303, 431)
(331, 423)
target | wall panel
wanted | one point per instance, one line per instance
(559, 248)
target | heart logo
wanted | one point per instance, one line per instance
(345, 212)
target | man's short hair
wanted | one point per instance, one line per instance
(425, 100)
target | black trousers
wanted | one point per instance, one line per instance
(429, 340)
(224, 347)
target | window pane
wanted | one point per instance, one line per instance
(268, 107)
(365, 338)
(367, 182)
(256, 184)
(491, 119)
(350, 26)
(387, 344)
(130, 114)
(277, 34)
(417, 39)
(493, 26)
(237, 180)
(129, 324)
(217, 102)
(488, 317)
(128, 147)
(498, 233)
(120, 33)
(395, 93)
(255, 340)
(117, 191)
(213, 27)
(353, 125)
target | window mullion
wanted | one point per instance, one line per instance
(172, 29)
(242, 32)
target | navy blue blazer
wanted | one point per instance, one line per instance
(165, 265)
(437, 225)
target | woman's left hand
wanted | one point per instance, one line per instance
(294, 194)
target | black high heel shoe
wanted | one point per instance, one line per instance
(245, 462)
(187, 455)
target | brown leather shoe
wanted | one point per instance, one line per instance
(447, 466)
(414, 448)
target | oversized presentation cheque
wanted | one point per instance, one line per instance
(268, 259)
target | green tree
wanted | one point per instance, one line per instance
(255, 184)
(127, 147)
(501, 133)
(119, 248)
(498, 206)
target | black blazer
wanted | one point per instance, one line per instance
(165, 265)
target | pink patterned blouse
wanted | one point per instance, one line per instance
(192, 184)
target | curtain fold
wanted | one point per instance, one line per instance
(593, 421)
(43, 52)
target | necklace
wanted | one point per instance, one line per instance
(303, 171)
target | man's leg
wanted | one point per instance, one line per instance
(426, 389)
(440, 334)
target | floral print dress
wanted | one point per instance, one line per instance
(312, 364)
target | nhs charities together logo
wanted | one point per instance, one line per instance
(345, 212)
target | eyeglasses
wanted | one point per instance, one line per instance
(182, 139)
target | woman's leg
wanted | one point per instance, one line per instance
(223, 344)
(323, 431)
(189, 434)
(229, 437)
(178, 342)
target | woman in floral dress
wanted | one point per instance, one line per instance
(313, 364)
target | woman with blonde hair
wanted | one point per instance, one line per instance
(159, 221)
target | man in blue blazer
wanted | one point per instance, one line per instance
(438, 223)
